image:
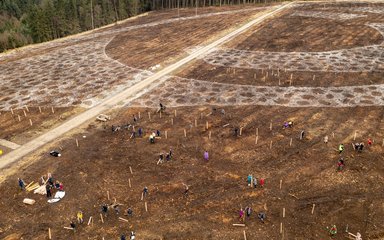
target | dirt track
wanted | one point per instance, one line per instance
(218, 188)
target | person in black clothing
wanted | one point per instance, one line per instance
(49, 192)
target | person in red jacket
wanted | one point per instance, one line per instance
(369, 142)
(262, 181)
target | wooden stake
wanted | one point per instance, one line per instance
(195, 122)
(245, 235)
(313, 208)
(89, 221)
(18, 116)
(209, 136)
(206, 125)
(314, 76)
(30, 122)
(146, 206)
(139, 115)
(354, 137)
(12, 111)
(129, 182)
(26, 107)
(175, 113)
(238, 225)
(281, 228)
(25, 114)
(333, 134)
(257, 131)
(39, 109)
(270, 145)
(281, 183)
(257, 138)
(166, 134)
(160, 114)
(142, 196)
(270, 126)
(69, 228)
(101, 217)
(185, 133)
(130, 169)
(290, 142)
(108, 194)
(52, 110)
(241, 130)
(171, 121)
(149, 115)
(49, 233)
(123, 219)
(283, 212)
(77, 142)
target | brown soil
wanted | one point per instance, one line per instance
(202, 71)
(288, 34)
(217, 187)
(21, 132)
(165, 44)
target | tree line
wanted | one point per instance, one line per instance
(24, 22)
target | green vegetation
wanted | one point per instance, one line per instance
(33, 21)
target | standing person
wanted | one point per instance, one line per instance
(186, 190)
(262, 181)
(73, 226)
(104, 209)
(80, 217)
(249, 179)
(206, 155)
(161, 158)
(241, 215)
(248, 211)
(133, 236)
(134, 118)
(158, 133)
(340, 164)
(361, 146)
(49, 191)
(302, 134)
(333, 231)
(129, 212)
(145, 191)
(369, 142)
(170, 152)
(152, 138)
(261, 216)
(341, 148)
(140, 132)
(61, 187)
(21, 183)
(326, 139)
(122, 237)
(254, 182)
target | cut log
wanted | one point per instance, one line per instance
(69, 228)
(29, 201)
(238, 225)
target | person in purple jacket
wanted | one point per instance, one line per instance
(206, 155)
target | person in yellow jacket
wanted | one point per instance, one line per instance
(80, 217)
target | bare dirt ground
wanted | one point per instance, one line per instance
(345, 97)
(168, 42)
(299, 44)
(217, 187)
(21, 131)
